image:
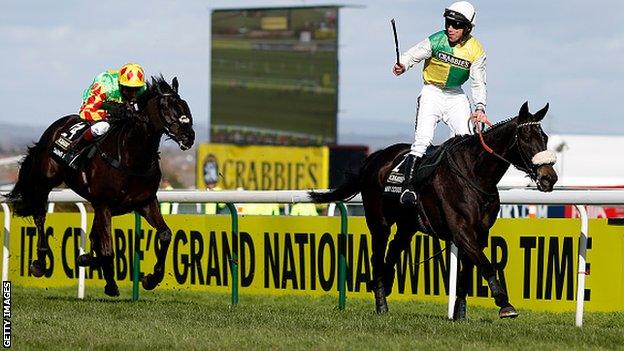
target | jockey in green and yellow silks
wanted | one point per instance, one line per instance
(110, 90)
(449, 66)
(451, 57)
(118, 86)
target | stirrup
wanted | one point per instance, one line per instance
(408, 197)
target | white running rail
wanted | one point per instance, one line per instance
(526, 196)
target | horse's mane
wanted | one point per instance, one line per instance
(158, 84)
(496, 128)
(154, 87)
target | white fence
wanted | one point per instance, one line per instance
(578, 197)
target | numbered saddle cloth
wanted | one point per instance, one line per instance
(423, 169)
(70, 133)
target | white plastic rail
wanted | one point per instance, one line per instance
(578, 197)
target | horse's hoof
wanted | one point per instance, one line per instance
(37, 269)
(459, 312)
(149, 282)
(86, 260)
(381, 304)
(508, 312)
(381, 308)
(111, 290)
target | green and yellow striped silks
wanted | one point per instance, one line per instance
(450, 66)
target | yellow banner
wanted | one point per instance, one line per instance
(274, 23)
(256, 167)
(536, 260)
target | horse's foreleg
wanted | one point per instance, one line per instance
(38, 267)
(476, 255)
(91, 258)
(152, 214)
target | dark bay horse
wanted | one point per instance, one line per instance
(123, 176)
(459, 203)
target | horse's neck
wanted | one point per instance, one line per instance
(139, 140)
(487, 170)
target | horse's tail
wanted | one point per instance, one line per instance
(348, 189)
(24, 197)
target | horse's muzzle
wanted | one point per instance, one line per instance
(546, 178)
(187, 140)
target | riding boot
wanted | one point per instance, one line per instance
(76, 148)
(408, 194)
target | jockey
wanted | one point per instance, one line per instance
(451, 57)
(112, 93)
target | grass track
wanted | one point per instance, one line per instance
(53, 319)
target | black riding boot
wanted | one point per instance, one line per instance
(408, 195)
(75, 150)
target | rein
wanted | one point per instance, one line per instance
(488, 149)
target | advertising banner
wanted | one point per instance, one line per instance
(535, 259)
(262, 167)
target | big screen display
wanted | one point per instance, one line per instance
(274, 76)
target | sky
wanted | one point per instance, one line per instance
(568, 53)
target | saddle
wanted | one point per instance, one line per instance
(422, 170)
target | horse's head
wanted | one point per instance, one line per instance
(169, 113)
(531, 144)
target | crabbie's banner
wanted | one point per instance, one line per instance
(536, 259)
(262, 167)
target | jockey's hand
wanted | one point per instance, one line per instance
(398, 69)
(479, 116)
(116, 110)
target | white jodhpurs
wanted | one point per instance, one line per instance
(100, 128)
(434, 105)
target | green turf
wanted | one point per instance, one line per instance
(53, 319)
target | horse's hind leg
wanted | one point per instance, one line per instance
(401, 241)
(380, 231)
(152, 214)
(101, 229)
(38, 267)
(463, 286)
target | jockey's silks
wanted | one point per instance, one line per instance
(449, 66)
(105, 87)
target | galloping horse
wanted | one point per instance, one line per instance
(459, 202)
(123, 176)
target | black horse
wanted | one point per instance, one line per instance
(459, 202)
(122, 176)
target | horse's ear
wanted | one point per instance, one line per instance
(174, 84)
(524, 113)
(539, 115)
(156, 85)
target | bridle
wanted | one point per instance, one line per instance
(528, 166)
(171, 127)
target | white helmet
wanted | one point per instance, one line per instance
(461, 11)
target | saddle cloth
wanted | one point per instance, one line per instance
(70, 132)
(423, 169)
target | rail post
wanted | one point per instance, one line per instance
(234, 262)
(342, 259)
(83, 248)
(582, 265)
(7, 242)
(137, 260)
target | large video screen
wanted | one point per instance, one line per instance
(274, 76)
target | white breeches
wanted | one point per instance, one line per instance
(100, 128)
(434, 105)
